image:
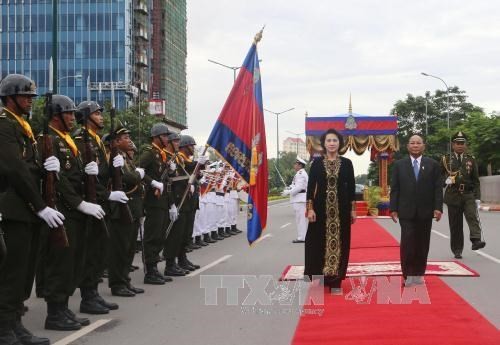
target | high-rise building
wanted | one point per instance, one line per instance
(296, 145)
(138, 47)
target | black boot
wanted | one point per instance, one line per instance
(207, 239)
(134, 289)
(57, 319)
(215, 236)
(477, 244)
(152, 276)
(81, 320)
(233, 230)
(184, 262)
(89, 304)
(103, 302)
(227, 231)
(199, 241)
(193, 246)
(7, 335)
(171, 269)
(26, 337)
(221, 233)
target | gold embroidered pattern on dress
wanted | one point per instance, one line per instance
(332, 231)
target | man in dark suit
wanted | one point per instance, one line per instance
(416, 197)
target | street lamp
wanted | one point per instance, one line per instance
(77, 76)
(447, 107)
(277, 132)
(297, 140)
(234, 68)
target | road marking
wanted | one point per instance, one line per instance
(204, 268)
(87, 329)
(284, 226)
(440, 234)
(263, 238)
(487, 256)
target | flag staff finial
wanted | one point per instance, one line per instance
(258, 35)
(350, 104)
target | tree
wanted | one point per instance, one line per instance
(286, 171)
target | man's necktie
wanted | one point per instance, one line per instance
(415, 168)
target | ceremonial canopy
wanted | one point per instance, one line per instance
(361, 132)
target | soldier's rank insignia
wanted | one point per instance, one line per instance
(67, 165)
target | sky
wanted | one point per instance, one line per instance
(316, 53)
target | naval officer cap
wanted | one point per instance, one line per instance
(459, 137)
(301, 161)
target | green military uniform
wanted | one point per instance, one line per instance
(96, 240)
(20, 198)
(154, 162)
(460, 196)
(124, 234)
(64, 267)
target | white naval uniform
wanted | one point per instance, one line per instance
(298, 199)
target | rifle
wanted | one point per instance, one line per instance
(3, 247)
(116, 173)
(57, 236)
(91, 180)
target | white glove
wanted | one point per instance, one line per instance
(118, 196)
(172, 166)
(478, 204)
(202, 159)
(92, 169)
(191, 189)
(91, 209)
(203, 180)
(157, 185)
(140, 171)
(50, 216)
(448, 181)
(285, 192)
(173, 213)
(118, 161)
(52, 164)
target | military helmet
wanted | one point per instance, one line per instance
(86, 108)
(62, 104)
(174, 136)
(159, 129)
(187, 140)
(17, 84)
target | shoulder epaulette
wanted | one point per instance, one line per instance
(148, 147)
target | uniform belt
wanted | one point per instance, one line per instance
(462, 187)
(219, 193)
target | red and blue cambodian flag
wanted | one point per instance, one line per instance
(239, 136)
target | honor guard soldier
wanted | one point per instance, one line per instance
(462, 195)
(175, 239)
(159, 205)
(21, 207)
(124, 234)
(191, 204)
(64, 266)
(297, 191)
(91, 146)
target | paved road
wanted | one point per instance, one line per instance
(182, 312)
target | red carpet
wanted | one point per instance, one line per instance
(435, 314)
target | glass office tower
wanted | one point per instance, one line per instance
(101, 43)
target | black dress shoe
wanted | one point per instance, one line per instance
(478, 244)
(92, 306)
(122, 291)
(207, 239)
(298, 241)
(186, 267)
(83, 321)
(26, 337)
(458, 256)
(134, 289)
